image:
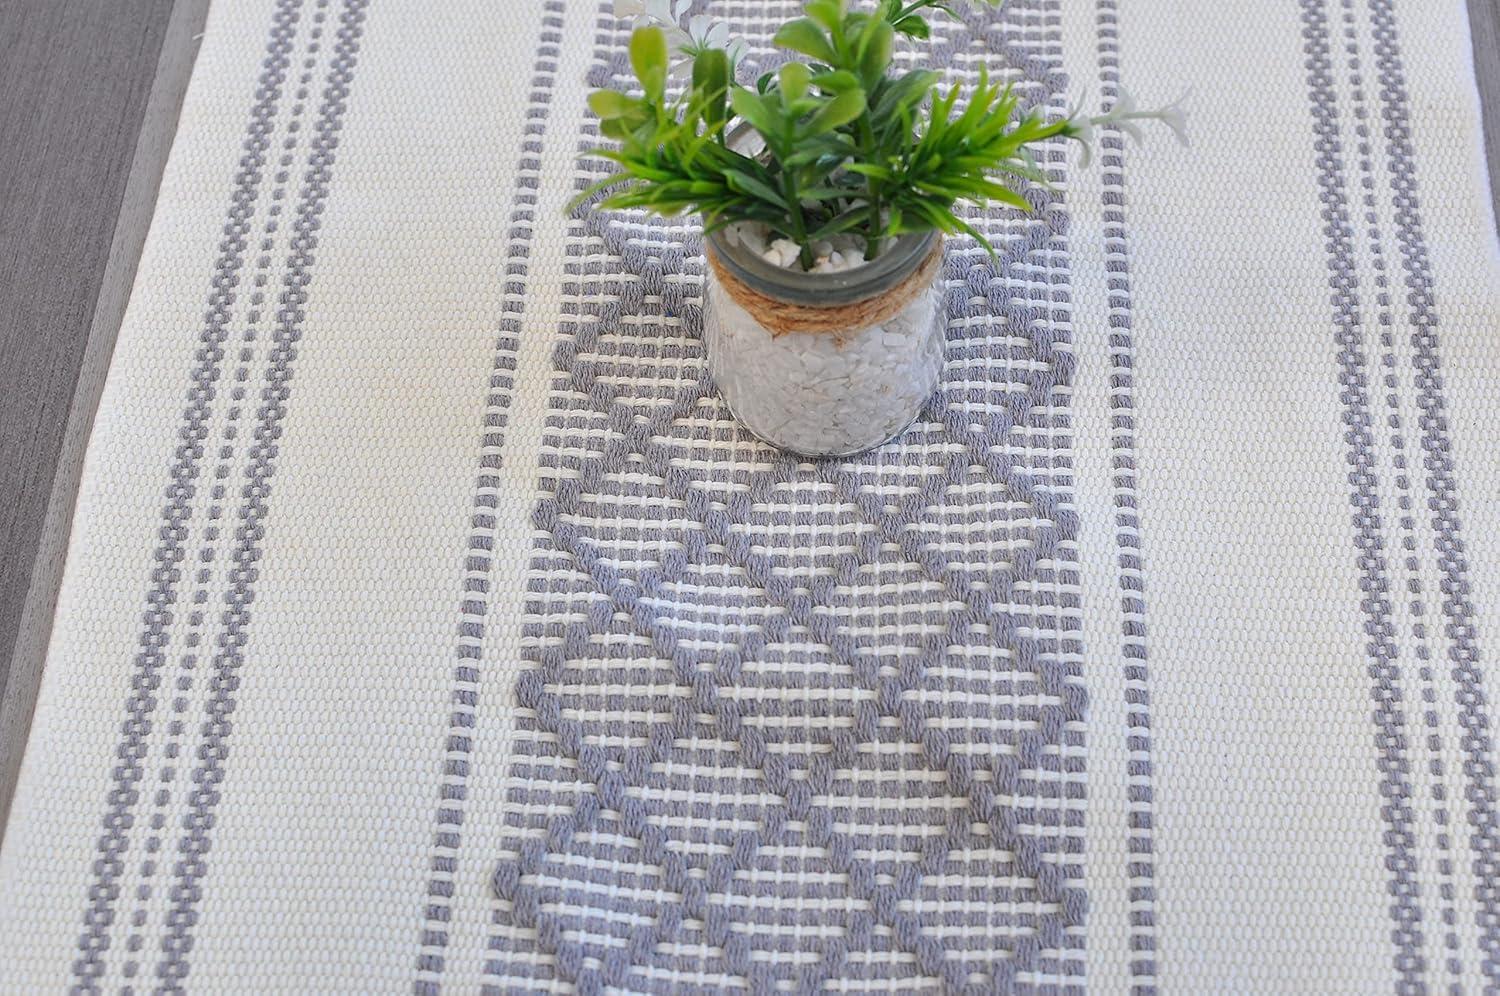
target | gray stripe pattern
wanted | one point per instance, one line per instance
(194, 843)
(162, 595)
(1384, 668)
(1390, 379)
(479, 558)
(1442, 488)
(1141, 791)
(776, 730)
(225, 459)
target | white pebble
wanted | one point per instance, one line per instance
(836, 254)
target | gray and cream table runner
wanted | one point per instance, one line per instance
(428, 625)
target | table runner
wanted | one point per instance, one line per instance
(429, 624)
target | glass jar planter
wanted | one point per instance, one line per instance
(825, 364)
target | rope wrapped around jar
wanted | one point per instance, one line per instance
(781, 317)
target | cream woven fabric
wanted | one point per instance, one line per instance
(429, 625)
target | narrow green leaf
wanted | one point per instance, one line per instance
(826, 193)
(646, 171)
(979, 104)
(840, 223)
(905, 92)
(594, 188)
(946, 221)
(1018, 168)
(829, 156)
(746, 184)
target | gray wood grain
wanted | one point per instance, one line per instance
(92, 92)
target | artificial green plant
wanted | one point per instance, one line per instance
(849, 142)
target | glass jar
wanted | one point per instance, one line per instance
(825, 364)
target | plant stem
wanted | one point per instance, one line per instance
(872, 191)
(799, 223)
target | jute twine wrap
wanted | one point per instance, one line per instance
(781, 317)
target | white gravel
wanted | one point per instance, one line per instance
(823, 393)
(831, 255)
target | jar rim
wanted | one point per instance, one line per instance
(798, 286)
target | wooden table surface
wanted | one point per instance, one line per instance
(92, 91)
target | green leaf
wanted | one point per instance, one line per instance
(1023, 170)
(794, 78)
(753, 108)
(840, 110)
(871, 170)
(836, 82)
(840, 223)
(594, 188)
(826, 193)
(642, 170)
(905, 92)
(829, 13)
(875, 43)
(711, 82)
(614, 128)
(914, 27)
(979, 105)
(827, 154)
(803, 35)
(648, 57)
(609, 105)
(744, 183)
(945, 220)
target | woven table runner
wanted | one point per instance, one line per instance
(429, 625)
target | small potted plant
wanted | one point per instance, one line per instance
(826, 189)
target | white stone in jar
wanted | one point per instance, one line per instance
(823, 393)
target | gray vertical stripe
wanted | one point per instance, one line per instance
(213, 751)
(479, 557)
(1384, 669)
(1140, 848)
(161, 597)
(1397, 439)
(204, 567)
(1442, 487)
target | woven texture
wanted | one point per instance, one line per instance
(429, 624)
